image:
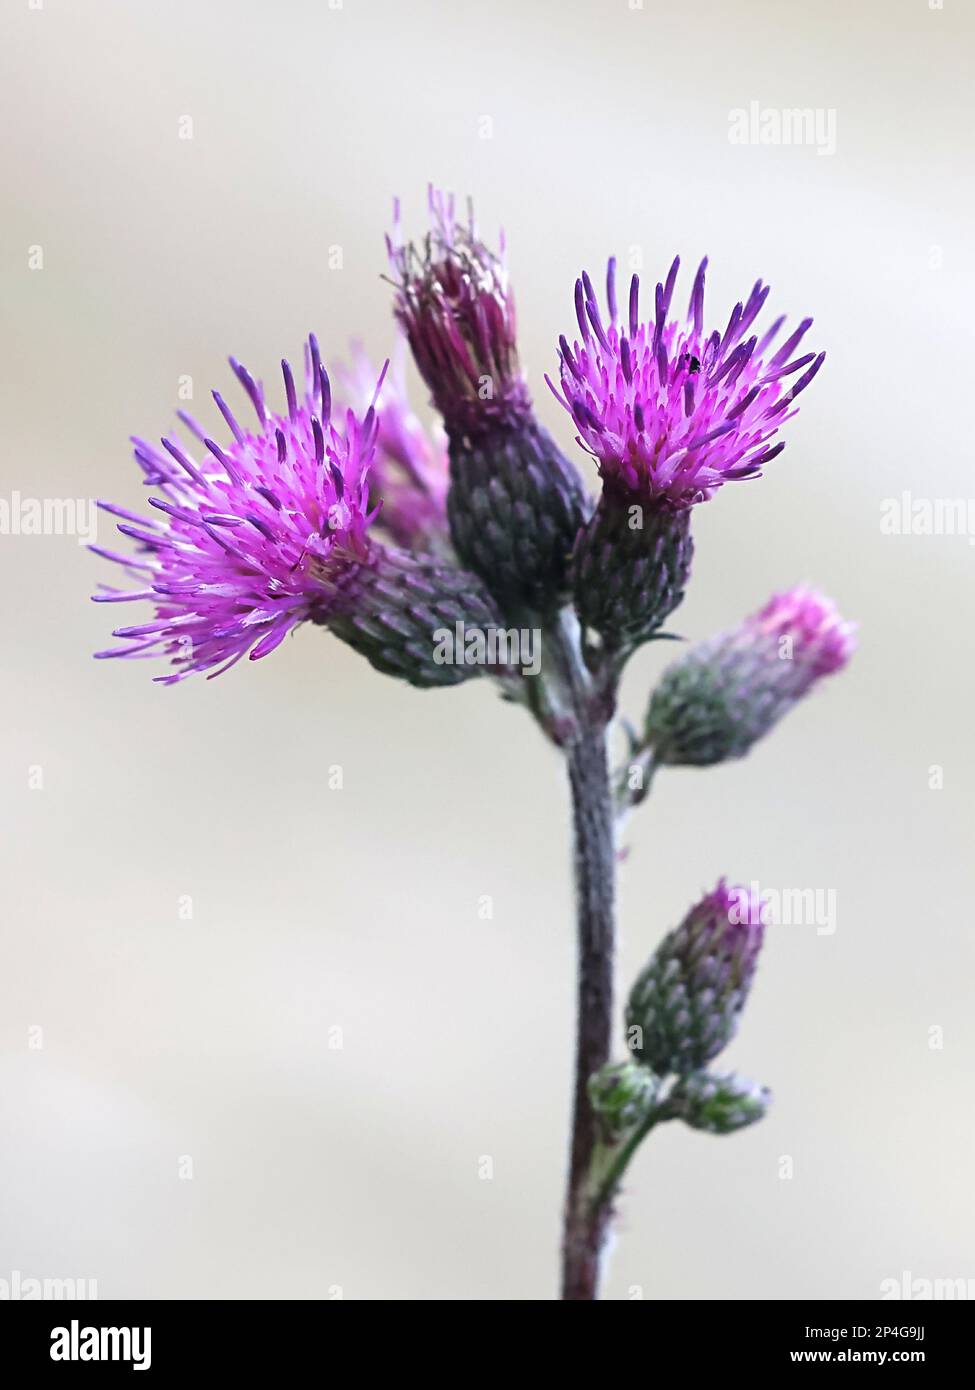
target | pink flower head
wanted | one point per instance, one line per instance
(808, 628)
(669, 412)
(454, 304)
(251, 538)
(410, 470)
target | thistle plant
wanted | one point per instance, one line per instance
(433, 555)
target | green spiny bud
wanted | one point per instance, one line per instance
(719, 1104)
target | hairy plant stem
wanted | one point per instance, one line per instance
(585, 1223)
(608, 1173)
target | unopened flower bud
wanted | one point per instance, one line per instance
(719, 1104)
(725, 694)
(684, 1007)
(621, 1094)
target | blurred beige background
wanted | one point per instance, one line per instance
(322, 917)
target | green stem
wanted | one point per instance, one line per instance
(609, 1180)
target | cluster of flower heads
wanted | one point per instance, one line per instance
(252, 537)
(255, 535)
(669, 411)
(455, 306)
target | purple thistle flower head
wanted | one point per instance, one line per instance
(669, 411)
(685, 1005)
(251, 537)
(409, 472)
(726, 693)
(455, 306)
